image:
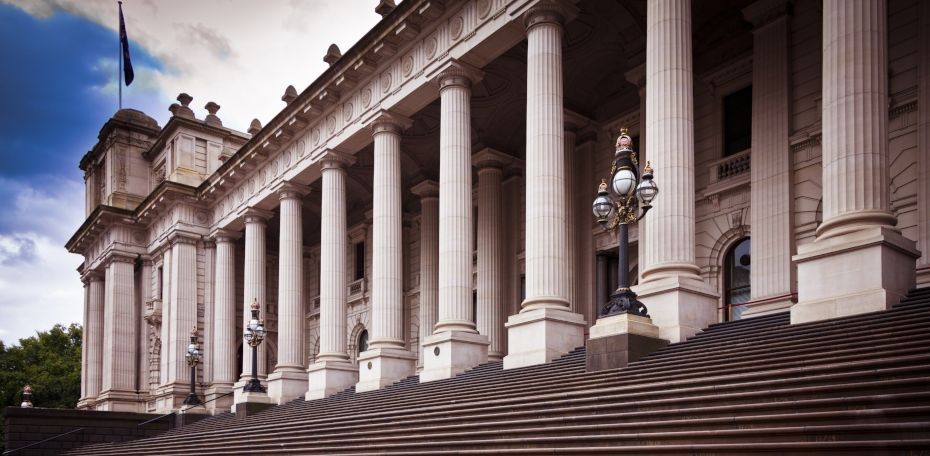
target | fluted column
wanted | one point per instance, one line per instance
(679, 301)
(545, 328)
(120, 338)
(289, 379)
(183, 313)
(772, 272)
(490, 250)
(225, 336)
(165, 335)
(923, 142)
(387, 310)
(92, 343)
(387, 360)
(428, 191)
(859, 262)
(332, 372)
(254, 282)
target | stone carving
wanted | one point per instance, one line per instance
(347, 112)
(301, 148)
(331, 124)
(333, 54)
(408, 65)
(431, 45)
(255, 127)
(456, 25)
(366, 97)
(386, 82)
(484, 7)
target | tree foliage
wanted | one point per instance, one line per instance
(50, 362)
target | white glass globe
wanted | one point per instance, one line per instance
(624, 182)
(647, 191)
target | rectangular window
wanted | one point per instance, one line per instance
(360, 260)
(161, 281)
(737, 121)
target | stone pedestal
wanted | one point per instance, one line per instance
(618, 340)
(119, 401)
(449, 353)
(330, 377)
(380, 367)
(218, 398)
(286, 385)
(541, 335)
(680, 305)
(248, 404)
(863, 271)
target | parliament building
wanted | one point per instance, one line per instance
(423, 207)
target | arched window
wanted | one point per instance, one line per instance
(736, 279)
(362, 342)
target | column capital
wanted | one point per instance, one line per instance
(455, 73)
(764, 12)
(575, 121)
(290, 190)
(91, 276)
(426, 189)
(221, 235)
(254, 215)
(116, 256)
(333, 159)
(180, 237)
(549, 12)
(489, 158)
(389, 121)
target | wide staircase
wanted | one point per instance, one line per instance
(854, 385)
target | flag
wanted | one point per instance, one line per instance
(128, 74)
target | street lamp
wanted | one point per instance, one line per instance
(27, 397)
(619, 204)
(193, 357)
(254, 334)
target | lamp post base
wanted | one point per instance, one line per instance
(192, 399)
(254, 385)
(623, 301)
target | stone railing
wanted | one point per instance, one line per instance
(731, 166)
(356, 290)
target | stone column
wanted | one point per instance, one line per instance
(491, 266)
(183, 315)
(165, 318)
(428, 191)
(859, 262)
(120, 339)
(141, 300)
(332, 372)
(254, 282)
(923, 142)
(679, 301)
(545, 328)
(772, 275)
(387, 360)
(571, 213)
(92, 341)
(289, 379)
(225, 336)
(455, 345)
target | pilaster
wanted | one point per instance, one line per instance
(92, 354)
(428, 191)
(120, 336)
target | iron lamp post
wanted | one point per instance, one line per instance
(254, 334)
(193, 357)
(619, 204)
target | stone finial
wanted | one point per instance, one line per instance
(385, 7)
(173, 109)
(290, 94)
(255, 127)
(333, 54)
(211, 118)
(27, 397)
(255, 305)
(183, 110)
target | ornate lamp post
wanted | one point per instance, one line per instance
(621, 203)
(193, 357)
(27, 397)
(254, 334)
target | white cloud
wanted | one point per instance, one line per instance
(238, 53)
(39, 286)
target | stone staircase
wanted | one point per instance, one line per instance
(854, 385)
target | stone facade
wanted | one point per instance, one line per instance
(423, 205)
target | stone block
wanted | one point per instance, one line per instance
(380, 367)
(286, 385)
(618, 350)
(326, 378)
(679, 305)
(450, 353)
(541, 335)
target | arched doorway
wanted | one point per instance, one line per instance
(736, 283)
(362, 343)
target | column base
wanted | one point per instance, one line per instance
(853, 273)
(923, 276)
(450, 353)
(216, 402)
(680, 305)
(238, 389)
(380, 367)
(621, 339)
(768, 306)
(247, 404)
(87, 403)
(119, 401)
(170, 397)
(287, 385)
(540, 335)
(326, 378)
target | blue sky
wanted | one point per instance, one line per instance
(58, 86)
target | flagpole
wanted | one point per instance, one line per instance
(119, 74)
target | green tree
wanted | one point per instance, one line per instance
(50, 362)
